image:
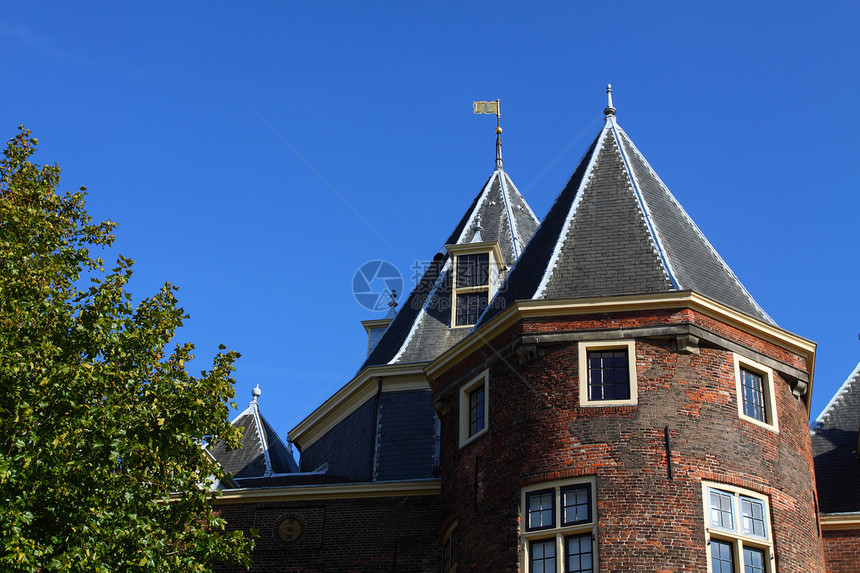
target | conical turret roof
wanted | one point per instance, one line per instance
(262, 454)
(615, 229)
(422, 328)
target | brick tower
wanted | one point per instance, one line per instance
(623, 404)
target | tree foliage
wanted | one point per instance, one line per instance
(101, 465)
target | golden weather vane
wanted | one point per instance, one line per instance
(496, 108)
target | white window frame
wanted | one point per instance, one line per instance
(588, 346)
(451, 541)
(768, 391)
(736, 536)
(496, 264)
(465, 392)
(558, 532)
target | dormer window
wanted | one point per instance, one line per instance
(476, 268)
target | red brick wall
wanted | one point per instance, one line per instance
(356, 535)
(646, 521)
(842, 550)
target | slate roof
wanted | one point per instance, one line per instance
(834, 446)
(615, 229)
(262, 454)
(421, 329)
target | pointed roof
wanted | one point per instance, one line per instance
(615, 229)
(834, 449)
(421, 330)
(263, 453)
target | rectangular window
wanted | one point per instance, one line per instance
(607, 373)
(752, 394)
(737, 531)
(541, 509)
(721, 510)
(721, 557)
(753, 560)
(559, 530)
(608, 377)
(474, 408)
(471, 287)
(476, 411)
(578, 555)
(476, 271)
(470, 306)
(756, 394)
(473, 270)
(576, 504)
(542, 556)
(752, 517)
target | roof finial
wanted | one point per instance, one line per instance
(609, 109)
(392, 304)
(476, 238)
(256, 393)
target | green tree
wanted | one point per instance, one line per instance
(101, 465)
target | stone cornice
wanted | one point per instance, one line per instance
(330, 491)
(836, 521)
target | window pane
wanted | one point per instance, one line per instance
(608, 378)
(576, 504)
(541, 507)
(476, 411)
(721, 557)
(579, 557)
(752, 394)
(473, 270)
(753, 560)
(470, 305)
(721, 510)
(752, 517)
(542, 556)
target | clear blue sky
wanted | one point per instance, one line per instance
(188, 123)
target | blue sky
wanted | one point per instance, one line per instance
(257, 154)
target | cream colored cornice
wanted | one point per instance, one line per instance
(395, 377)
(572, 307)
(376, 323)
(325, 492)
(480, 247)
(834, 521)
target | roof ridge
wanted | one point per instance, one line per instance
(512, 224)
(577, 199)
(264, 441)
(831, 405)
(643, 206)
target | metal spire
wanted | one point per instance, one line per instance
(499, 135)
(256, 393)
(609, 109)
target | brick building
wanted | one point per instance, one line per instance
(597, 392)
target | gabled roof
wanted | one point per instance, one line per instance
(834, 447)
(615, 229)
(262, 454)
(421, 329)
